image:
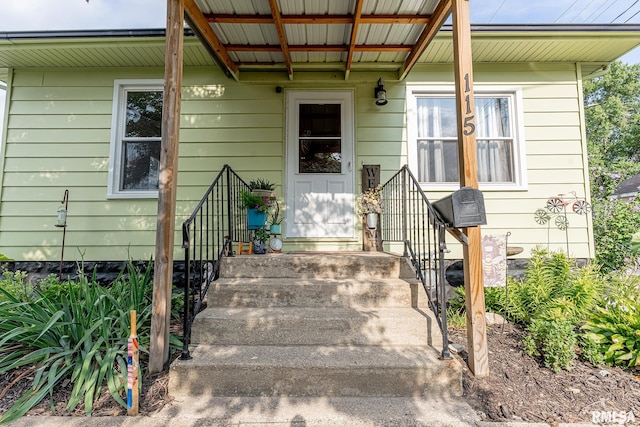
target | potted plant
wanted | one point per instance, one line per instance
(262, 187)
(257, 209)
(260, 239)
(276, 220)
(369, 203)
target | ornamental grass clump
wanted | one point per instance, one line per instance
(77, 334)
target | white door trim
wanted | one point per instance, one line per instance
(305, 216)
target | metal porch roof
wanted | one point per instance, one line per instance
(593, 44)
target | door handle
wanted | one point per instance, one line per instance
(349, 166)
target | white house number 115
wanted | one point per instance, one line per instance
(469, 126)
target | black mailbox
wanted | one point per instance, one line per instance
(462, 208)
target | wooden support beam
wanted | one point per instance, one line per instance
(208, 37)
(277, 19)
(478, 359)
(354, 33)
(440, 15)
(319, 48)
(317, 19)
(167, 185)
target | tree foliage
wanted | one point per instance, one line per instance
(612, 112)
(613, 115)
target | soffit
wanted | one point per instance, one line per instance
(490, 44)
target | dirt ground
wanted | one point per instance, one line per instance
(518, 388)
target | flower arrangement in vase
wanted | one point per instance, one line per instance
(370, 204)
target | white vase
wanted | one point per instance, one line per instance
(372, 220)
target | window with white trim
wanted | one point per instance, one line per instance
(434, 141)
(135, 139)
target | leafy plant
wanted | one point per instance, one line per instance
(261, 234)
(614, 225)
(79, 335)
(15, 284)
(615, 325)
(250, 200)
(275, 214)
(456, 318)
(554, 339)
(261, 184)
(551, 302)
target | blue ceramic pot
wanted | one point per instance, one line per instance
(256, 219)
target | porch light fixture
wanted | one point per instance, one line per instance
(380, 94)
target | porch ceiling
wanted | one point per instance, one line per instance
(290, 34)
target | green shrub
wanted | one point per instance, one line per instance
(615, 325)
(614, 224)
(15, 284)
(554, 340)
(551, 302)
(79, 334)
(591, 350)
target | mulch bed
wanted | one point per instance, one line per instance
(520, 388)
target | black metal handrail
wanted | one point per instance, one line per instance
(409, 218)
(217, 220)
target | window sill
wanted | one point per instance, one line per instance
(133, 195)
(450, 187)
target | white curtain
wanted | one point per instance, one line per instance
(437, 140)
(493, 139)
(437, 158)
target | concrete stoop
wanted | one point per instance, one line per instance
(318, 327)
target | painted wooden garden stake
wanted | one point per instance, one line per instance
(133, 374)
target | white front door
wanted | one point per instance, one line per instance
(319, 194)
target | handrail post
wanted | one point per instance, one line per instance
(405, 194)
(443, 294)
(229, 211)
(187, 291)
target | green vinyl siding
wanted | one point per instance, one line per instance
(58, 137)
(59, 130)
(554, 154)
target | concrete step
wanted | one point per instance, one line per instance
(314, 371)
(272, 292)
(313, 326)
(209, 411)
(364, 265)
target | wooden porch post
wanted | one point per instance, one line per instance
(167, 184)
(467, 155)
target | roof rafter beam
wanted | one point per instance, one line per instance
(319, 48)
(318, 19)
(354, 34)
(200, 25)
(439, 16)
(277, 20)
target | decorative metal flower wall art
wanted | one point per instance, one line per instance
(556, 210)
